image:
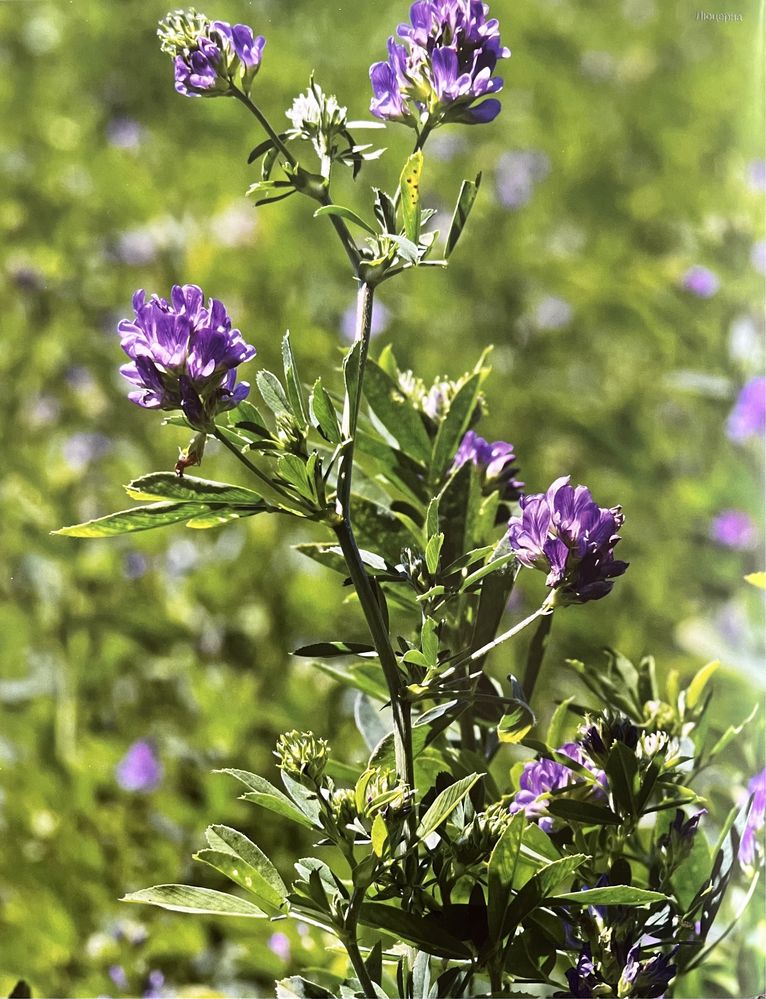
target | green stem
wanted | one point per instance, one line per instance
(511, 633)
(253, 468)
(536, 653)
(351, 945)
(263, 121)
(343, 234)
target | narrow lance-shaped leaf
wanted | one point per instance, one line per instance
(187, 488)
(202, 901)
(409, 187)
(140, 518)
(445, 804)
(272, 392)
(614, 895)
(466, 198)
(345, 213)
(322, 413)
(518, 718)
(501, 872)
(292, 380)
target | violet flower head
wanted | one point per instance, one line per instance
(450, 51)
(540, 777)
(496, 461)
(582, 978)
(748, 416)
(565, 534)
(734, 529)
(648, 979)
(751, 841)
(211, 59)
(184, 355)
(139, 769)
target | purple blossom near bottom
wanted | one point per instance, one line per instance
(540, 777)
(751, 842)
(139, 769)
(748, 415)
(118, 975)
(701, 281)
(649, 978)
(734, 529)
(154, 984)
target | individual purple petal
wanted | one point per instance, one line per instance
(701, 281)
(752, 842)
(496, 461)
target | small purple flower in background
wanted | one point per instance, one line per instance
(648, 979)
(496, 460)
(540, 777)
(748, 416)
(756, 175)
(701, 281)
(139, 769)
(758, 256)
(155, 982)
(125, 133)
(734, 529)
(210, 59)
(184, 355)
(82, 448)
(553, 313)
(446, 64)
(751, 842)
(118, 976)
(565, 534)
(381, 317)
(517, 173)
(279, 944)
(134, 565)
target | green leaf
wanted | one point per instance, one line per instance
(622, 770)
(454, 425)
(140, 518)
(202, 901)
(261, 876)
(396, 413)
(732, 732)
(445, 804)
(409, 189)
(502, 871)
(582, 811)
(322, 413)
(613, 895)
(518, 718)
(696, 687)
(494, 565)
(263, 793)
(362, 676)
(423, 932)
(329, 650)
(468, 191)
(539, 888)
(293, 470)
(557, 725)
(347, 214)
(292, 380)
(272, 392)
(296, 987)
(379, 835)
(188, 489)
(433, 550)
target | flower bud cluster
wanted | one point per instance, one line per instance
(302, 755)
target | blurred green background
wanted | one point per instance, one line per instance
(629, 151)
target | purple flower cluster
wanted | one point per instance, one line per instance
(648, 978)
(496, 460)
(748, 416)
(210, 59)
(755, 821)
(183, 355)
(734, 529)
(564, 533)
(446, 64)
(540, 777)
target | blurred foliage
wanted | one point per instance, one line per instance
(621, 159)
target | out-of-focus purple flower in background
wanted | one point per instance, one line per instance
(279, 944)
(701, 281)
(83, 448)
(125, 133)
(495, 460)
(756, 175)
(734, 529)
(748, 416)
(140, 768)
(154, 984)
(516, 174)
(381, 317)
(565, 534)
(758, 256)
(752, 836)
(118, 975)
(446, 64)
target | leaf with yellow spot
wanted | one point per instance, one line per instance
(409, 189)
